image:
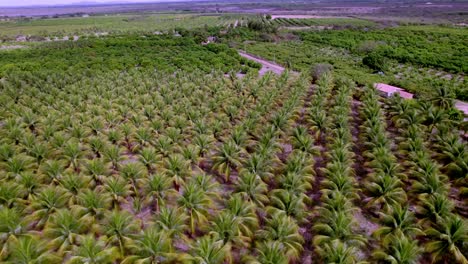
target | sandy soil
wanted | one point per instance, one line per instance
(462, 106)
(266, 65)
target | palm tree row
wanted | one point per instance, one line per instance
(336, 237)
(435, 209)
(385, 190)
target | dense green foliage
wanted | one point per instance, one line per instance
(164, 53)
(445, 49)
(301, 50)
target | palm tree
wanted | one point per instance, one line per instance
(258, 165)
(270, 252)
(244, 212)
(113, 154)
(172, 221)
(119, 227)
(337, 225)
(252, 188)
(132, 172)
(93, 251)
(196, 203)
(12, 225)
(385, 191)
(293, 205)
(398, 222)
(10, 194)
(153, 246)
(435, 209)
(29, 250)
(226, 228)
(156, 189)
(284, 230)
(148, 158)
(227, 158)
(98, 170)
(92, 203)
(72, 152)
(118, 189)
(448, 241)
(46, 203)
(177, 168)
(338, 252)
(17, 164)
(443, 97)
(208, 250)
(63, 230)
(402, 250)
(53, 169)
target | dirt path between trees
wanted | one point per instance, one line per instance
(266, 65)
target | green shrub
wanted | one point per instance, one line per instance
(375, 61)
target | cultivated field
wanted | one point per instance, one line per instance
(218, 138)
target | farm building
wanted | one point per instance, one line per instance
(387, 90)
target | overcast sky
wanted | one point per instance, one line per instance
(63, 2)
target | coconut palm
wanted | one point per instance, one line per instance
(10, 194)
(196, 204)
(119, 227)
(208, 250)
(97, 169)
(244, 212)
(293, 205)
(156, 189)
(177, 168)
(401, 250)
(46, 203)
(72, 152)
(132, 173)
(337, 225)
(118, 190)
(12, 225)
(284, 230)
(63, 229)
(448, 241)
(92, 203)
(338, 252)
(435, 209)
(227, 229)
(227, 158)
(172, 221)
(385, 191)
(398, 222)
(29, 250)
(93, 251)
(152, 246)
(270, 252)
(443, 97)
(252, 188)
(113, 154)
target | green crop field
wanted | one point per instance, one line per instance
(111, 24)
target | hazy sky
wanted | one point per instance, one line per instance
(62, 2)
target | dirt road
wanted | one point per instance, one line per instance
(266, 65)
(462, 106)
